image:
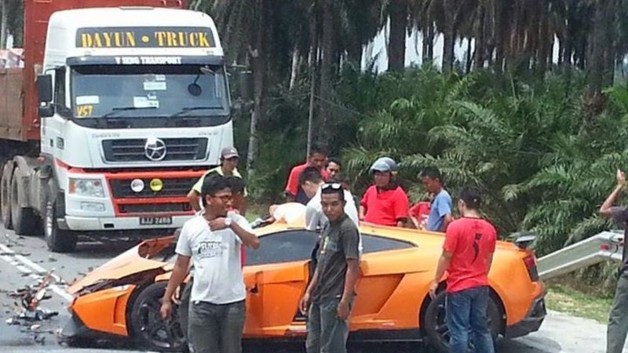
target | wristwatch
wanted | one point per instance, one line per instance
(228, 222)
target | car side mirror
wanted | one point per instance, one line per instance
(44, 88)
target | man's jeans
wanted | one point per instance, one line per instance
(216, 328)
(326, 333)
(618, 317)
(466, 314)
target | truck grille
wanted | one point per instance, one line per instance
(172, 187)
(133, 150)
(156, 208)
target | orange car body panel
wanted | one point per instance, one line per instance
(390, 293)
(105, 310)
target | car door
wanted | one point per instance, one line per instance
(275, 276)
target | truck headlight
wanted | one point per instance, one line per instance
(86, 187)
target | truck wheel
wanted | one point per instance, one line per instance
(24, 220)
(5, 197)
(58, 240)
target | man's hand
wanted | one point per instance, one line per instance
(343, 310)
(433, 288)
(166, 309)
(621, 178)
(217, 224)
(304, 304)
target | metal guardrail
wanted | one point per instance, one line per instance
(604, 246)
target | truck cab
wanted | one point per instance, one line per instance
(134, 107)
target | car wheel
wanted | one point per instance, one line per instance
(148, 329)
(435, 325)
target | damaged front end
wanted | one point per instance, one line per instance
(102, 299)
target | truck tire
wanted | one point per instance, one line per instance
(58, 240)
(5, 196)
(24, 220)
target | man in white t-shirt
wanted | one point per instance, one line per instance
(213, 241)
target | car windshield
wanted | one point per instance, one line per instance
(136, 91)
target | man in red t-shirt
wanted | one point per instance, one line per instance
(384, 203)
(317, 158)
(420, 212)
(467, 256)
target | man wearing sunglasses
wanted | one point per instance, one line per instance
(329, 296)
(228, 167)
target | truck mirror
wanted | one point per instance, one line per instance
(44, 88)
(246, 85)
(46, 110)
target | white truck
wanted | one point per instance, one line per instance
(106, 128)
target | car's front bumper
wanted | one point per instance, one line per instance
(532, 322)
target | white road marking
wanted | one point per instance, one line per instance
(34, 271)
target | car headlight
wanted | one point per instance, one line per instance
(86, 187)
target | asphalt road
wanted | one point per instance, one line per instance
(23, 261)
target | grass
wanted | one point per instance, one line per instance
(565, 298)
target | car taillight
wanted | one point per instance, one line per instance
(530, 262)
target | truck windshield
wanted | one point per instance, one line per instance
(148, 91)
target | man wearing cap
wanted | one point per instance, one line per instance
(228, 167)
(384, 203)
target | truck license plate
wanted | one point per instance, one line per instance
(152, 221)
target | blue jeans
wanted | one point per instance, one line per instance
(466, 315)
(326, 333)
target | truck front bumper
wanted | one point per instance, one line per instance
(116, 223)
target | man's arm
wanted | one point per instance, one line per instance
(248, 238)
(179, 272)
(606, 210)
(193, 200)
(448, 219)
(443, 265)
(351, 279)
(362, 212)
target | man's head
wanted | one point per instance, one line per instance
(229, 159)
(236, 185)
(382, 170)
(334, 166)
(432, 179)
(216, 195)
(342, 179)
(310, 180)
(469, 199)
(317, 157)
(333, 201)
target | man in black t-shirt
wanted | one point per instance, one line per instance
(329, 296)
(618, 317)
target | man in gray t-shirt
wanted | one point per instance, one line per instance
(329, 296)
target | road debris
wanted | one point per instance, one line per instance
(29, 300)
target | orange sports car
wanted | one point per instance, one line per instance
(122, 297)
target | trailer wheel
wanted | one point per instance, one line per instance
(24, 220)
(5, 196)
(58, 240)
